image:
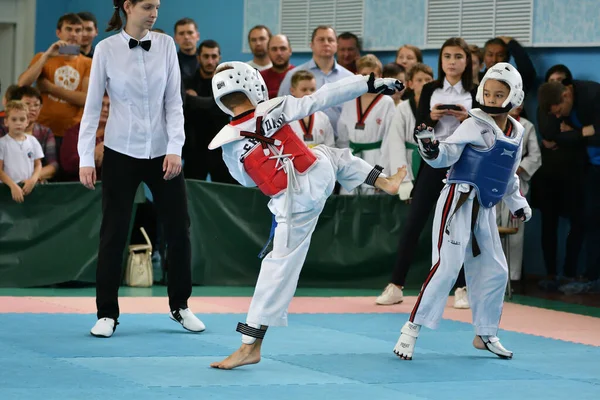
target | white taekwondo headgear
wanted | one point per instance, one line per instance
(508, 74)
(241, 77)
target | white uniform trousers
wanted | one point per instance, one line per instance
(452, 245)
(280, 269)
(515, 242)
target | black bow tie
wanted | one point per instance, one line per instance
(145, 44)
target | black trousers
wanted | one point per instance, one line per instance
(559, 202)
(121, 176)
(428, 186)
(550, 220)
(592, 223)
(198, 165)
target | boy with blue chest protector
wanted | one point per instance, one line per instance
(484, 154)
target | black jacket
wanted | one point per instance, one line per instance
(586, 107)
(570, 157)
(203, 118)
(524, 65)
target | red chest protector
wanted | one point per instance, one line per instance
(265, 162)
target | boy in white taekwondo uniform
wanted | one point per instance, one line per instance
(531, 161)
(484, 153)
(399, 146)
(260, 149)
(364, 123)
(316, 128)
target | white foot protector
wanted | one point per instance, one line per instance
(492, 344)
(406, 342)
(187, 319)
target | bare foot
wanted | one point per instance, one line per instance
(492, 345)
(391, 184)
(245, 355)
(478, 343)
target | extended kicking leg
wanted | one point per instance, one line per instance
(391, 184)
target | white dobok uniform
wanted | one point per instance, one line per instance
(318, 131)
(454, 240)
(399, 147)
(297, 209)
(364, 132)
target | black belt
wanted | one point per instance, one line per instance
(475, 211)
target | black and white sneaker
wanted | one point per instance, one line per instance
(187, 319)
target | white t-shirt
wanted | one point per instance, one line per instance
(259, 67)
(19, 157)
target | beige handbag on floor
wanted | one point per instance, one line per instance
(139, 264)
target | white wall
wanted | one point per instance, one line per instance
(17, 38)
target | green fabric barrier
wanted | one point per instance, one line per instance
(50, 238)
(53, 237)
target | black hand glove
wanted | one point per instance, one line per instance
(524, 214)
(520, 213)
(387, 86)
(429, 148)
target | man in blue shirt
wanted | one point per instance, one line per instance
(323, 66)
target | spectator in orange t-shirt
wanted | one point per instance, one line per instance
(62, 78)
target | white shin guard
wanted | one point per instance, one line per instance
(248, 339)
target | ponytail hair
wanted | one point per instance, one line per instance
(116, 23)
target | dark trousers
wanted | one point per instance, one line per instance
(428, 186)
(58, 144)
(556, 203)
(121, 176)
(199, 165)
(592, 223)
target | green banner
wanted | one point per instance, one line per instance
(50, 238)
(53, 237)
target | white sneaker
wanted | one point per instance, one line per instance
(492, 344)
(461, 300)
(104, 327)
(187, 319)
(405, 346)
(392, 294)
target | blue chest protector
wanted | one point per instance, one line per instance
(488, 170)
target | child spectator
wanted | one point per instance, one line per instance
(20, 154)
(316, 128)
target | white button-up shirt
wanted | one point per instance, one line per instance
(449, 95)
(146, 111)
